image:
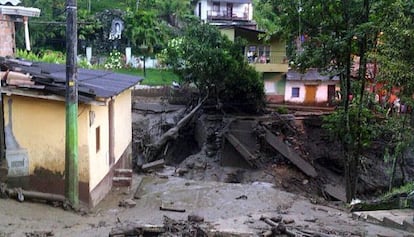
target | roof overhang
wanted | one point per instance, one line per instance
(40, 95)
(12, 2)
(19, 11)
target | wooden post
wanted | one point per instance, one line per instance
(71, 155)
(2, 134)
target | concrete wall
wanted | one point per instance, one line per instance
(274, 87)
(99, 159)
(36, 128)
(123, 123)
(38, 125)
(7, 36)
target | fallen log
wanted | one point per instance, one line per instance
(153, 165)
(136, 230)
(22, 195)
(154, 149)
(268, 221)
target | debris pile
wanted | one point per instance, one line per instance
(191, 227)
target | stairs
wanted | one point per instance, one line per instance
(398, 218)
(122, 178)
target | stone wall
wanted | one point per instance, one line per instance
(7, 32)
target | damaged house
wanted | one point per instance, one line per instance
(34, 123)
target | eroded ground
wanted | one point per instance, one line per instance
(226, 208)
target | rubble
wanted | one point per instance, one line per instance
(128, 203)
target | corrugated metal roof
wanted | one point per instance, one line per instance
(10, 2)
(311, 74)
(19, 11)
(93, 84)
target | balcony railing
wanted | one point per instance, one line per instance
(272, 57)
(228, 16)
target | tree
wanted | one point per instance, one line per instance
(171, 11)
(395, 57)
(341, 30)
(203, 56)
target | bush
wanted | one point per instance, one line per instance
(114, 61)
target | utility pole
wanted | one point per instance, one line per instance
(71, 145)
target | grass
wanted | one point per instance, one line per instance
(154, 77)
(409, 187)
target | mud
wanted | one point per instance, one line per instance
(231, 198)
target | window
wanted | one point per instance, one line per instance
(295, 92)
(216, 7)
(98, 138)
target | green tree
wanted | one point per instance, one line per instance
(395, 57)
(172, 11)
(341, 30)
(205, 57)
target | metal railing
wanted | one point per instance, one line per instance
(273, 57)
(227, 15)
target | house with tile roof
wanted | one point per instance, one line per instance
(10, 15)
(33, 96)
(311, 87)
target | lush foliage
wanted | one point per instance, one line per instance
(203, 56)
(114, 61)
(47, 56)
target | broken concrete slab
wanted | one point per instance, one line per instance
(397, 218)
(278, 144)
(244, 152)
(156, 107)
(337, 192)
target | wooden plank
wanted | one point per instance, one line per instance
(278, 144)
(165, 207)
(123, 172)
(153, 165)
(244, 152)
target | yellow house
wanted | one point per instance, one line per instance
(34, 127)
(267, 57)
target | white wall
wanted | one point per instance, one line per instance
(321, 92)
(288, 92)
(238, 9)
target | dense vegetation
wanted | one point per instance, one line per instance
(353, 34)
(376, 33)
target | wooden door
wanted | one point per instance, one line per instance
(310, 94)
(229, 12)
(331, 94)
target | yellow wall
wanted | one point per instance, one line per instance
(99, 160)
(123, 123)
(39, 127)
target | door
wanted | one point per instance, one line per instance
(310, 94)
(229, 12)
(331, 94)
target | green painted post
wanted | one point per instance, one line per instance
(71, 145)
